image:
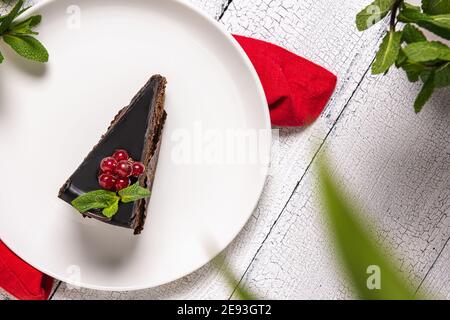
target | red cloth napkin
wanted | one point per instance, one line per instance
(20, 279)
(297, 90)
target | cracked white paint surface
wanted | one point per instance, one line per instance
(395, 162)
(437, 282)
(397, 166)
(4, 295)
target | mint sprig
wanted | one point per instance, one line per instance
(409, 49)
(27, 46)
(108, 201)
(98, 199)
(110, 211)
(386, 56)
(20, 35)
(133, 193)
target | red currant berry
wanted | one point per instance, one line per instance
(138, 169)
(124, 169)
(108, 164)
(122, 183)
(112, 173)
(106, 181)
(120, 155)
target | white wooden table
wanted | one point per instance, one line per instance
(395, 163)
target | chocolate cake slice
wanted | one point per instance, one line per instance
(137, 128)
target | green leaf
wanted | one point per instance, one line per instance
(412, 34)
(426, 74)
(436, 6)
(413, 70)
(27, 46)
(427, 51)
(357, 250)
(1, 57)
(23, 10)
(25, 26)
(409, 13)
(240, 292)
(425, 93)
(388, 52)
(442, 20)
(438, 24)
(34, 20)
(133, 193)
(18, 14)
(8, 19)
(110, 211)
(442, 76)
(373, 13)
(232, 280)
(401, 58)
(98, 199)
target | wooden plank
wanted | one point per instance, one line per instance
(324, 32)
(4, 295)
(213, 8)
(6, 5)
(397, 166)
(437, 282)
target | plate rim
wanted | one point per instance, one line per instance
(215, 251)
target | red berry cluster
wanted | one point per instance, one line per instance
(116, 171)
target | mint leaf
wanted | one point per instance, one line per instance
(412, 34)
(438, 24)
(16, 15)
(409, 13)
(424, 94)
(8, 19)
(34, 20)
(426, 74)
(23, 10)
(373, 13)
(389, 50)
(355, 245)
(413, 70)
(133, 193)
(27, 46)
(401, 58)
(436, 6)
(427, 51)
(442, 76)
(442, 20)
(110, 211)
(25, 26)
(98, 199)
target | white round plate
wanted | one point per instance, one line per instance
(101, 53)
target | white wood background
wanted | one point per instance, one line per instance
(395, 163)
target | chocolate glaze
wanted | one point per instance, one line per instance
(137, 128)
